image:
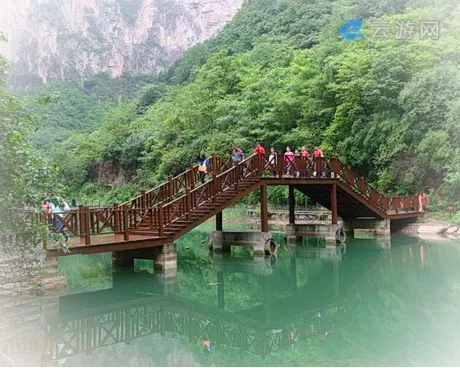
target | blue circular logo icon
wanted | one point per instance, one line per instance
(351, 30)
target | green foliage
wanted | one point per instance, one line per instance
(67, 107)
(94, 194)
(279, 74)
(25, 178)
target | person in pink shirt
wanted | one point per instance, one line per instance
(288, 160)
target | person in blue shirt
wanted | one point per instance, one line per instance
(58, 207)
(203, 167)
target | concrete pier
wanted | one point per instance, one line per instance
(222, 241)
(376, 227)
(295, 232)
(164, 258)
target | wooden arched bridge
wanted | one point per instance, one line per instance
(165, 213)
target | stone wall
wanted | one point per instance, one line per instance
(25, 269)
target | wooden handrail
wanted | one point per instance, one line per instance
(183, 198)
(175, 185)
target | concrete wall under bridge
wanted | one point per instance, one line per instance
(261, 242)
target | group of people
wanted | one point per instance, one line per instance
(60, 207)
(238, 156)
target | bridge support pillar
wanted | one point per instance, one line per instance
(165, 260)
(263, 209)
(334, 204)
(291, 205)
(295, 232)
(123, 259)
(219, 222)
(261, 242)
(371, 226)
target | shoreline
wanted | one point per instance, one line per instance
(427, 227)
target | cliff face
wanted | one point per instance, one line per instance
(58, 38)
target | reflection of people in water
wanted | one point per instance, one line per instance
(293, 336)
(207, 344)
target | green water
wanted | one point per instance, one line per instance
(360, 305)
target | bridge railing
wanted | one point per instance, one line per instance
(193, 199)
(280, 165)
(299, 166)
(85, 222)
(176, 186)
(181, 196)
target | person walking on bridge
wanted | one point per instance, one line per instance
(259, 149)
(237, 155)
(259, 161)
(318, 154)
(203, 167)
(288, 160)
(423, 201)
(304, 154)
(273, 161)
(59, 207)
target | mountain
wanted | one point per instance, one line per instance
(62, 39)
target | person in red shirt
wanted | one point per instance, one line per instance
(306, 163)
(259, 161)
(317, 154)
(304, 152)
(259, 149)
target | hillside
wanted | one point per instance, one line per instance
(281, 73)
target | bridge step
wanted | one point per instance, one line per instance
(143, 228)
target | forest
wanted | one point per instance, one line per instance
(279, 73)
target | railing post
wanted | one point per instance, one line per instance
(170, 188)
(116, 215)
(143, 200)
(214, 187)
(187, 204)
(334, 167)
(213, 163)
(160, 219)
(125, 223)
(81, 220)
(237, 176)
(191, 177)
(87, 226)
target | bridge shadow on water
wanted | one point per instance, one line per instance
(307, 306)
(258, 305)
(241, 304)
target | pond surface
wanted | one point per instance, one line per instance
(362, 304)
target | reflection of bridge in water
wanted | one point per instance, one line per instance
(127, 312)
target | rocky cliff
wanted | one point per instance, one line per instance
(76, 38)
